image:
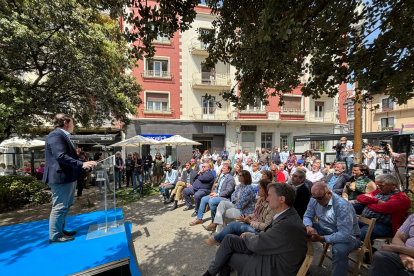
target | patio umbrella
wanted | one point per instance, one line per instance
(178, 140)
(22, 143)
(135, 141)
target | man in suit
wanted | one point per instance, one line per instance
(276, 156)
(337, 180)
(278, 250)
(201, 187)
(187, 180)
(302, 192)
(222, 191)
(61, 172)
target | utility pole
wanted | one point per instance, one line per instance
(358, 126)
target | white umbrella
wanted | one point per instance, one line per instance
(22, 143)
(178, 140)
(135, 141)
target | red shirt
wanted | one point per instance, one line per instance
(279, 176)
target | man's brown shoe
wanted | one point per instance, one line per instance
(197, 221)
(211, 242)
(211, 227)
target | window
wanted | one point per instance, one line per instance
(248, 136)
(317, 145)
(351, 125)
(208, 74)
(204, 46)
(351, 111)
(257, 106)
(208, 107)
(387, 104)
(267, 139)
(387, 123)
(157, 68)
(248, 128)
(319, 108)
(284, 140)
(157, 102)
(292, 104)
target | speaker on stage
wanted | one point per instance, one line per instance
(168, 150)
(146, 149)
(401, 143)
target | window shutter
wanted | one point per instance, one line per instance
(157, 97)
(292, 103)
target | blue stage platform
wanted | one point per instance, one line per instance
(25, 249)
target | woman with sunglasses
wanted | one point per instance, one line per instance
(242, 203)
(254, 223)
(129, 168)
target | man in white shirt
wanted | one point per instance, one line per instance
(315, 175)
(215, 156)
(218, 166)
(246, 156)
(248, 166)
(284, 154)
(370, 158)
(239, 155)
(347, 154)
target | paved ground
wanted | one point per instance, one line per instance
(163, 241)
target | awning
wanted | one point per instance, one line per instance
(384, 135)
(94, 138)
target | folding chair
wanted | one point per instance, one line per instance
(366, 247)
(307, 262)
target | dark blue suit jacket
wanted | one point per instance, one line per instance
(204, 181)
(61, 161)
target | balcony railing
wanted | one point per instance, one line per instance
(325, 116)
(210, 80)
(197, 47)
(210, 113)
(394, 107)
(291, 111)
(386, 128)
(156, 74)
(160, 110)
(254, 110)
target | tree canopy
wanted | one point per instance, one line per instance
(273, 43)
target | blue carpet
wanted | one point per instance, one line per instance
(25, 248)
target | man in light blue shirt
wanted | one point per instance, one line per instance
(284, 155)
(171, 178)
(337, 224)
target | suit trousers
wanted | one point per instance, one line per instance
(232, 253)
(387, 263)
(62, 198)
(198, 194)
(225, 212)
(167, 190)
(179, 187)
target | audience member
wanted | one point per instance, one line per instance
(275, 156)
(278, 250)
(284, 155)
(137, 173)
(337, 180)
(39, 172)
(347, 153)
(237, 170)
(400, 160)
(315, 175)
(222, 192)
(370, 158)
(239, 155)
(256, 175)
(308, 159)
(263, 166)
(278, 176)
(218, 165)
(303, 193)
(129, 169)
(291, 160)
(224, 154)
(171, 179)
(337, 224)
(201, 187)
(267, 175)
(157, 170)
(282, 168)
(246, 157)
(119, 169)
(147, 168)
(215, 156)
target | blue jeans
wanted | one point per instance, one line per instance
(212, 202)
(340, 252)
(62, 198)
(349, 162)
(378, 231)
(106, 182)
(236, 228)
(118, 178)
(147, 172)
(137, 176)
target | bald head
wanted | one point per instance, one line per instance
(320, 186)
(321, 193)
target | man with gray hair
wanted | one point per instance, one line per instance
(388, 205)
(278, 250)
(337, 224)
(302, 192)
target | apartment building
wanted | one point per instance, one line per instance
(176, 82)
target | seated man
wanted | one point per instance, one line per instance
(303, 193)
(186, 180)
(360, 184)
(278, 250)
(396, 258)
(278, 176)
(193, 164)
(218, 165)
(263, 166)
(336, 181)
(387, 205)
(315, 175)
(201, 187)
(337, 224)
(285, 172)
(171, 178)
(222, 191)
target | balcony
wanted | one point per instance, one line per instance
(254, 110)
(386, 128)
(210, 113)
(394, 107)
(322, 117)
(156, 74)
(198, 48)
(292, 111)
(207, 81)
(160, 111)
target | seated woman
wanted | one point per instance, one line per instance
(242, 203)
(237, 170)
(262, 216)
(256, 175)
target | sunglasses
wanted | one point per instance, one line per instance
(320, 197)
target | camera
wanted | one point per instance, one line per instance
(338, 147)
(385, 148)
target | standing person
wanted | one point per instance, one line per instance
(291, 161)
(88, 172)
(147, 168)
(255, 157)
(61, 171)
(239, 155)
(196, 155)
(81, 176)
(157, 170)
(347, 154)
(218, 166)
(246, 157)
(224, 154)
(284, 155)
(137, 174)
(276, 156)
(215, 156)
(370, 158)
(129, 169)
(119, 169)
(264, 156)
(400, 160)
(309, 158)
(100, 167)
